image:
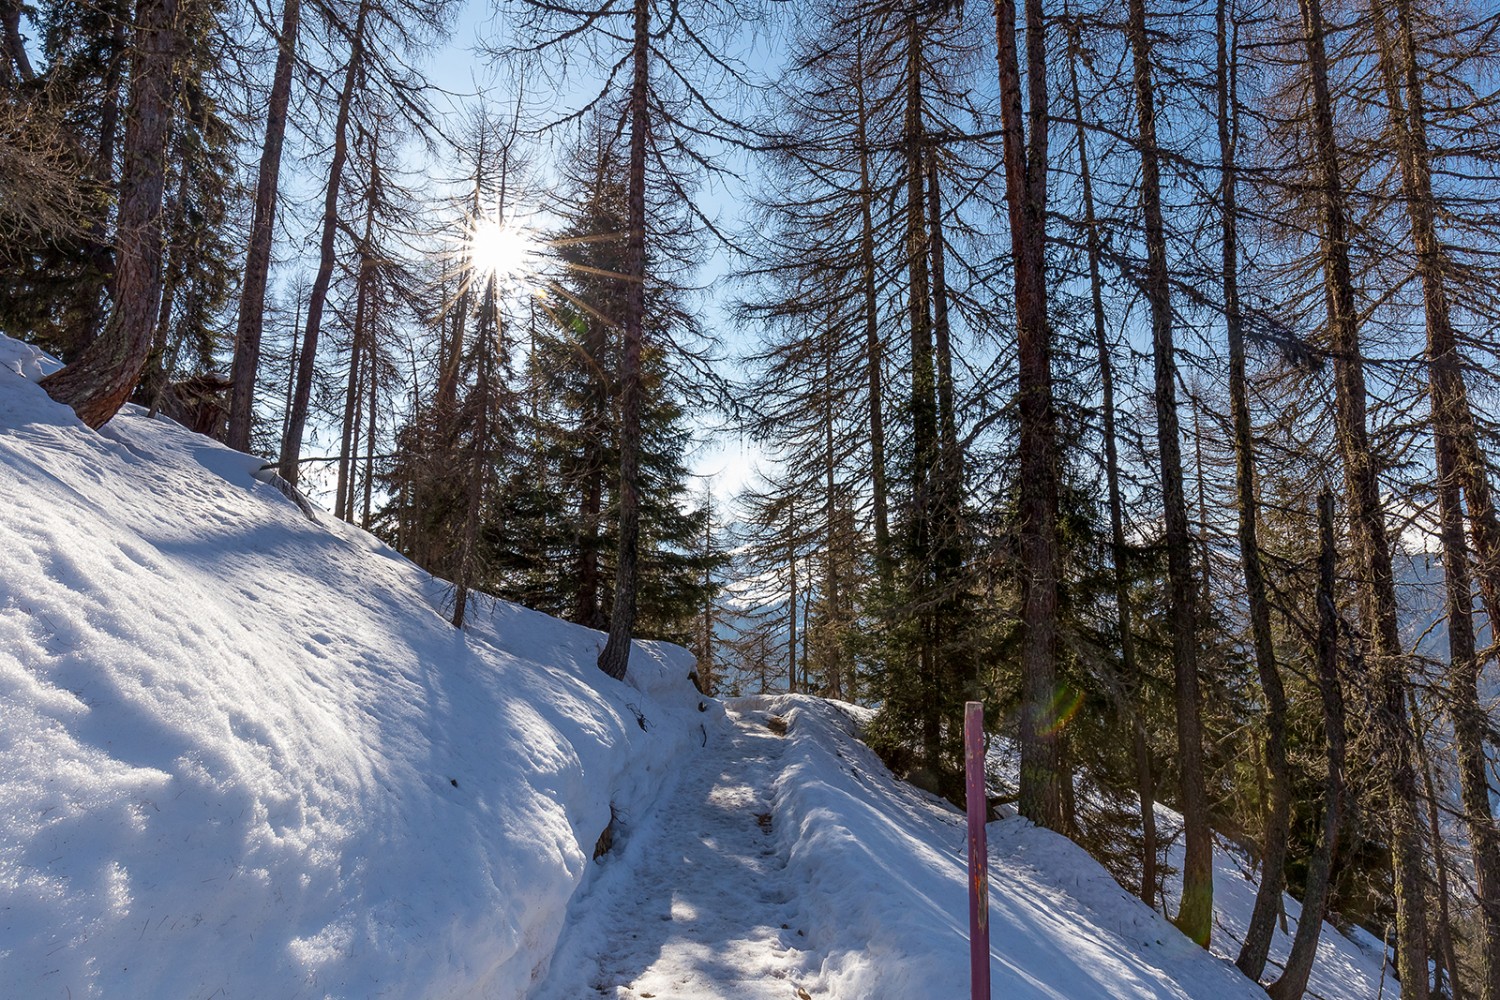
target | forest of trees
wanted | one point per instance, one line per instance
(1132, 370)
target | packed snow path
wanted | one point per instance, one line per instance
(696, 903)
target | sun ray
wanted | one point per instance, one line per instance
(502, 249)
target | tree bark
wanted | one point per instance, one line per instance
(922, 402)
(791, 617)
(344, 491)
(1041, 796)
(884, 565)
(1293, 981)
(99, 381)
(615, 657)
(251, 317)
(1371, 546)
(291, 442)
(15, 47)
(833, 681)
(1195, 914)
(1453, 435)
(373, 378)
(1145, 779)
(480, 459)
(1443, 940)
(1262, 927)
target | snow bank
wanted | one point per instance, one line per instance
(243, 753)
(885, 867)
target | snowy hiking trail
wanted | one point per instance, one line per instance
(697, 904)
(245, 754)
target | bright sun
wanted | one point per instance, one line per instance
(502, 250)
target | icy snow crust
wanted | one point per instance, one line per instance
(243, 754)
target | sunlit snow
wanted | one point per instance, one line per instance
(245, 755)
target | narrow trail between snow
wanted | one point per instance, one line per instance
(698, 907)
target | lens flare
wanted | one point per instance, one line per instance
(1066, 702)
(502, 250)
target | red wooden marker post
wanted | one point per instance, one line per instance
(979, 876)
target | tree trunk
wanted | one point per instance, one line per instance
(615, 657)
(291, 442)
(1195, 915)
(1262, 926)
(373, 378)
(833, 681)
(587, 610)
(791, 603)
(480, 460)
(159, 366)
(344, 491)
(1447, 959)
(97, 286)
(873, 354)
(15, 47)
(1293, 981)
(1371, 547)
(1145, 779)
(951, 464)
(1453, 434)
(923, 404)
(251, 319)
(99, 381)
(1042, 777)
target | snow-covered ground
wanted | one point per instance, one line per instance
(242, 754)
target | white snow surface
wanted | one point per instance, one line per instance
(243, 754)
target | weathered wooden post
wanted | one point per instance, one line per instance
(979, 877)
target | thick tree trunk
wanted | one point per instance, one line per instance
(1371, 546)
(15, 47)
(1145, 779)
(251, 319)
(1041, 797)
(615, 657)
(1299, 963)
(1195, 915)
(1262, 926)
(99, 381)
(291, 442)
(1453, 435)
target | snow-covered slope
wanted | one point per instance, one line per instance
(242, 754)
(886, 866)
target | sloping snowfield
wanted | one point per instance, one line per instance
(242, 754)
